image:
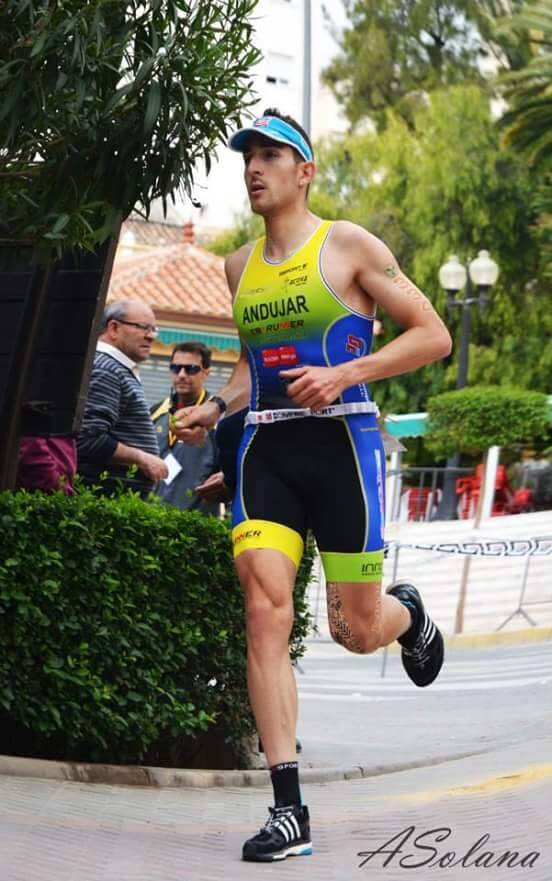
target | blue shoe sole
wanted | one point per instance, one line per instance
(296, 851)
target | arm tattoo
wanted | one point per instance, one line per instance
(409, 289)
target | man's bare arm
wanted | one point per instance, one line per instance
(425, 338)
(152, 466)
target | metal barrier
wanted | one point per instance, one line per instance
(426, 497)
(318, 578)
(523, 603)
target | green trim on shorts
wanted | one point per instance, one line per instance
(364, 567)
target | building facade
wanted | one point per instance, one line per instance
(186, 287)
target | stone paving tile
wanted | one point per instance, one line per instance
(72, 832)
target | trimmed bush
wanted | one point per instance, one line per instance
(121, 625)
(473, 419)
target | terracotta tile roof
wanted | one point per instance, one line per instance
(148, 232)
(151, 232)
(173, 277)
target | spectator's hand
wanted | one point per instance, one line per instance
(213, 489)
(203, 417)
(152, 466)
(194, 437)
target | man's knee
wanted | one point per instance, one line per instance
(369, 640)
(359, 641)
(361, 637)
(268, 616)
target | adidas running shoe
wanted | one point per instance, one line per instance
(422, 651)
(285, 834)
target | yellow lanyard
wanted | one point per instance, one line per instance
(172, 437)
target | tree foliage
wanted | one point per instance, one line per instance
(104, 105)
(246, 228)
(441, 187)
(395, 51)
(528, 121)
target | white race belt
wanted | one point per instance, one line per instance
(258, 417)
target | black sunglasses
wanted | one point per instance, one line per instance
(189, 369)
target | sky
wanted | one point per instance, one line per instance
(324, 111)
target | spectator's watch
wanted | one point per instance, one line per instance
(220, 402)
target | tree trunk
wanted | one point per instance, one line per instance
(48, 318)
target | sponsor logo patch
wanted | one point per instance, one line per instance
(372, 569)
(282, 308)
(283, 356)
(298, 268)
(381, 497)
(247, 533)
(277, 328)
(355, 345)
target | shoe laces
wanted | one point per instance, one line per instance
(276, 815)
(420, 650)
(418, 655)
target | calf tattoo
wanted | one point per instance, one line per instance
(339, 628)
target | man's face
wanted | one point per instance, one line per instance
(188, 385)
(135, 342)
(273, 176)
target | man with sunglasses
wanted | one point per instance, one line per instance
(189, 465)
(117, 432)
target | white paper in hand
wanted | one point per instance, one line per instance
(174, 468)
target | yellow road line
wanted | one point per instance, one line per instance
(501, 783)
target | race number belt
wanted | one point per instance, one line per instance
(259, 417)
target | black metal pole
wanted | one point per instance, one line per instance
(307, 64)
(30, 296)
(462, 377)
(448, 506)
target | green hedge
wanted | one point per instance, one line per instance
(473, 419)
(121, 626)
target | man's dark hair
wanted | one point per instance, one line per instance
(195, 348)
(273, 111)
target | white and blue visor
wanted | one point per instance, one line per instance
(276, 130)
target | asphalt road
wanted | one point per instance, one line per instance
(483, 700)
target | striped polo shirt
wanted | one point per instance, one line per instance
(116, 411)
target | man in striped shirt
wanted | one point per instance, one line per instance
(117, 431)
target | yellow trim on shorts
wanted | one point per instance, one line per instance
(266, 534)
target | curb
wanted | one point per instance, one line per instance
(160, 778)
(467, 640)
(500, 637)
(141, 775)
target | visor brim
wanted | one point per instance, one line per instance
(239, 140)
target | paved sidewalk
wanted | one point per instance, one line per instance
(52, 831)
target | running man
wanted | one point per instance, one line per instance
(305, 298)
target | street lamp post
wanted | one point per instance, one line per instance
(482, 273)
(307, 64)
